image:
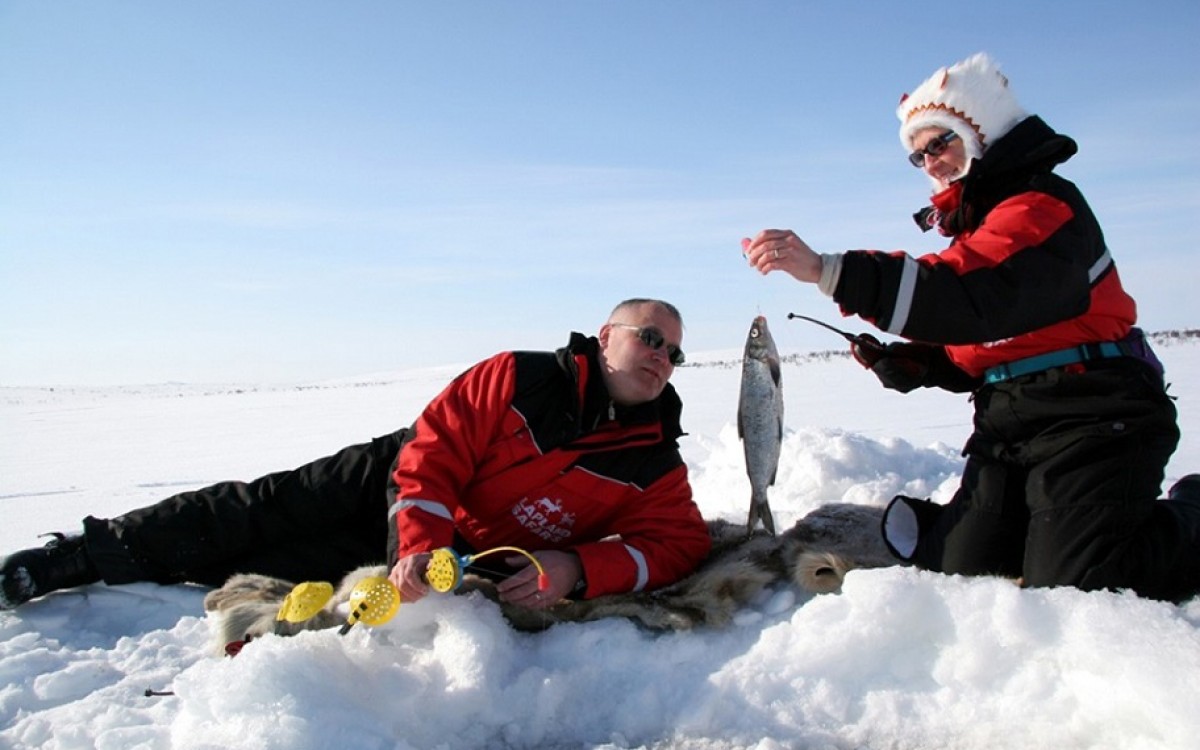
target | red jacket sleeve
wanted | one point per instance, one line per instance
(1020, 270)
(451, 437)
(661, 539)
(1035, 276)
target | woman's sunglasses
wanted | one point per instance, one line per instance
(653, 338)
(934, 148)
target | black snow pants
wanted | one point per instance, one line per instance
(1061, 484)
(316, 522)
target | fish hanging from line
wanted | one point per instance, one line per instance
(760, 419)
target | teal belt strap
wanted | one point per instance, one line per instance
(1060, 358)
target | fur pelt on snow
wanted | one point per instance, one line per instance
(814, 555)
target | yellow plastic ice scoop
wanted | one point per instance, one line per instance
(374, 601)
(305, 601)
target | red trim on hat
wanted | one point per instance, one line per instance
(948, 110)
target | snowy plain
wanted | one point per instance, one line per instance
(899, 659)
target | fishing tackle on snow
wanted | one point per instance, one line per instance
(865, 348)
(375, 600)
(304, 601)
(446, 567)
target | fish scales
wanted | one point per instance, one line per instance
(760, 419)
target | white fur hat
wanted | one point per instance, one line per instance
(971, 97)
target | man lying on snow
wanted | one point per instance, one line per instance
(571, 455)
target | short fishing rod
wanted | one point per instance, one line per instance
(864, 347)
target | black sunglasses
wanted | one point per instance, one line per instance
(653, 338)
(934, 148)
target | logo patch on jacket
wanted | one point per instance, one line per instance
(545, 518)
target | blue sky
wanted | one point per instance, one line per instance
(293, 191)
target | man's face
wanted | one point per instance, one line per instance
(633, 371)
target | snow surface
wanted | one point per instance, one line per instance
(900, 659)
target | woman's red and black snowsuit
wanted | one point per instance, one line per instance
(1065, 462)
(524, 449)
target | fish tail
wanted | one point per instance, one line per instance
(760, 510)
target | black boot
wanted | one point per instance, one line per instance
(904, 520)
(1184, 500)
(61, 564)
(1186, 490)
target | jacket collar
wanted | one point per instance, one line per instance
(1029, 150)
(580, 360)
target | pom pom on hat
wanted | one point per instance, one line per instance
(971, 97)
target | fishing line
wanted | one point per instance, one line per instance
(446, 567)
(445, 571)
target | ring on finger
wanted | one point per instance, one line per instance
(776, 253)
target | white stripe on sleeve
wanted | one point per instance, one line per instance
(904, 296)
(429, 506)
(643, 570)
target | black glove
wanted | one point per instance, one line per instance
(904, 366)
(866, 349)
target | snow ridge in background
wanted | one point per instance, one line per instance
(900, 659)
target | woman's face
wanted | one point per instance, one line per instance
(946, 166)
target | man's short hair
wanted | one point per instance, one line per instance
(639, 301)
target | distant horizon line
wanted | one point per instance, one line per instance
(696, 360)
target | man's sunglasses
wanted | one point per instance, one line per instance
(653, 338)
(934, 148)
